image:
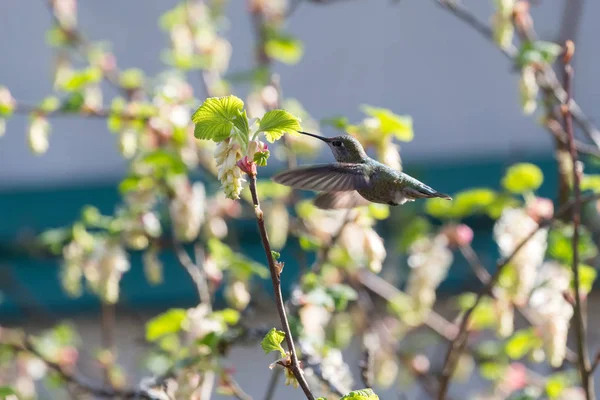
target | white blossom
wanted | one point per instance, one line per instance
(513, 227)
(104, 269)
(227, 153)
(429, 260)
(237, 295)
(552, 310)
(187, 210)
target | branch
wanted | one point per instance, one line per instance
(583, 361)
(458, 343)
(546, 80)
(276, 281)
(81, 383)
(484, 276)
(194, 271)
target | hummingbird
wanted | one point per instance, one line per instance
(355, 179)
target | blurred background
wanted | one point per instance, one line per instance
(410, 56)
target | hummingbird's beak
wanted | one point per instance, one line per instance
(326, 140)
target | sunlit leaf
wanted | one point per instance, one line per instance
(401, 126)
(414, 229)
(216, 117)
(521, 343)
(276, 122)
(363, 394)
(165, 323)
(272, 342)
(284, 48)
(522, 178)
(560, 244)
(587, 276)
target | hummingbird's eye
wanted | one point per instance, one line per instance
(336, 143)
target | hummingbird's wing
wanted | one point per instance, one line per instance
(336, 177)
(339, 200)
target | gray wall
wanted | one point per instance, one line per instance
(412, 57)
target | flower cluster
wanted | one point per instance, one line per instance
(514, 227)
(227, 154)
(552, 310)
(429, 260)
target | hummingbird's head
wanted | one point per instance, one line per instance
(345, 148)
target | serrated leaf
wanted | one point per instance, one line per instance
(272, 342)
(164, 324)
(363, 394)
(261, 157)
(401, 126)
(216, 117)
(275, 122)
(523, 177)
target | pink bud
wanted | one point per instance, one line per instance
(541, 208)
(458, 235)
(248, 166)
(515, 377)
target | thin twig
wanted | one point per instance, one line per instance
(547, 79)
(458, 343)
(193, 271)
(272, 386)
(484, 276)
(276, 281)
(79, 382)
(583, 358)
(108, 339)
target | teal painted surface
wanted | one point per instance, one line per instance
(37, 210)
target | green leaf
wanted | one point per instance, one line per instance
(261, 157)
(165, 162)
(320, 297)
(49, 104)
(401, 126)
(590, 182)
(272, 342)
(337, 122)
(228, 315)
(414, 229)
(363, 394)
(379, 211)
(216, 117)
(522, 178)
(132, 78)
(521, 343)
(80, 79)
(73, 103)
(275, 122)
(341, 295)
(587, 276)
(6, 391)
(165, 323)
(492, 371)
(560, 244)
(284, 48)
(275, 255)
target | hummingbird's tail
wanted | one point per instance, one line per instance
(425, 192)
